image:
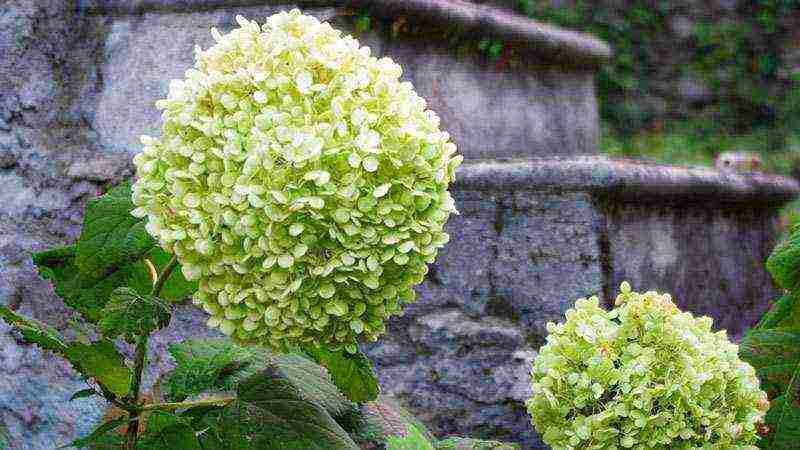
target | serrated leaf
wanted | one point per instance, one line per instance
(102, 361)
(83, 393)
(111, 237)
(35, 332)
(269, 413)
(209, 365)
(219, 365)
(167, 431)
(99, 360)
(384, 418)
(784, 262)
(457, 443)
(97, 434)
(351, 373)
(130, 314)
(85, 294)
(89, 295)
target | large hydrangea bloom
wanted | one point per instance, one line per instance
(300, 181)
(643, 376)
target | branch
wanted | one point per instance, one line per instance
(141, 357)
(218, 401)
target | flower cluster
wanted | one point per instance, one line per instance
(300, 181)
(644, 376)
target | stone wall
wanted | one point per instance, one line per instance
(77, 87)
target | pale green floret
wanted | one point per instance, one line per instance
(300, 181)
(642, 376)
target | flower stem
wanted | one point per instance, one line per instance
(219, 401)
(132, 436)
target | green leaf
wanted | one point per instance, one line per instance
(413, 440)
(85, 294)
(131, 314)
(785, 312)
(457, 443)
(774, 353)
(95, 436)
(270, 413)
(83, 393)
(5, 441)
(220, 365)
(102, 361)
(784, 262)
(352, 373)
(111, 237)
(783, 420)
(35, 332)
(167, 431)
(88, 295)
(384, 418)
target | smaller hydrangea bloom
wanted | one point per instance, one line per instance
(642, 376)
(300, 181)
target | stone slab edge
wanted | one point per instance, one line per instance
(626, 179)
(549, 43)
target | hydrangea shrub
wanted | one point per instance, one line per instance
(644, 376)
(300, 181)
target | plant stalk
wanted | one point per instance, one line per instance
(219, 401)
(134, 415)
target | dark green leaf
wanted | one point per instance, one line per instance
(130, 314)
(210, 365)
(352, 373)
(85, 294)
(774, 353)
(166, 431)
(111, 237)
(88, 295)
(219, 365)
(270, 413)
(102, 361)
(783, 420)
(783, 313)
(784, 262)
(35, 332)
(100, 432)
(99, 360)
(83, 393)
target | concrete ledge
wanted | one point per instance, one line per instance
(547, 42)
(624, 178)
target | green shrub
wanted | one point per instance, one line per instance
(643, 375)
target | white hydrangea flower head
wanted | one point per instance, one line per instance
(300, 181)
(642, 376)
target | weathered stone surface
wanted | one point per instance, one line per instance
(460, 356)
(710, 259)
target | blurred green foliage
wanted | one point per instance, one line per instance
(739, 60)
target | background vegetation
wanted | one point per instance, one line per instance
(690, 79)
